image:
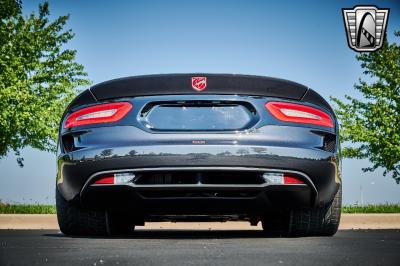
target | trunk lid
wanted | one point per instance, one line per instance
(182, 84)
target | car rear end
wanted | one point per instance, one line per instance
(198, 147)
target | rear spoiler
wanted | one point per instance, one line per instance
(181, 84)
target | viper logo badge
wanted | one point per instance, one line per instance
(366, 27)
(199, 83)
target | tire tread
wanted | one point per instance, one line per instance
(73, 220)
(323, 221)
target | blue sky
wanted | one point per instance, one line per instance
(303, 41)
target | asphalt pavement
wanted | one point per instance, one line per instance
(199, 247)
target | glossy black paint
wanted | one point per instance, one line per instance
(137, 202)
(180, 84)
(133, 142)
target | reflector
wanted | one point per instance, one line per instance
(292, 180)
(108, 180)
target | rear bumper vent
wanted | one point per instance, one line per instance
(70, 141)
(200, 182)
(205, 178)
(329, 143)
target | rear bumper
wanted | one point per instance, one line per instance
(111, 149)
(199, 197)
(135, 200)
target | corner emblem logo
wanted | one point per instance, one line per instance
(199, 83)
(366, 27)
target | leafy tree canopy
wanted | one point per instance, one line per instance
(38, 77)
(372, 123)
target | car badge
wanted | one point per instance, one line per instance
(199, 83)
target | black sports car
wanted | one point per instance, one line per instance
(199, 147)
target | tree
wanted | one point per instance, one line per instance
(38, 77)
(372, 124)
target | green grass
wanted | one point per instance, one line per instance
(51, 209)
(26, 209)
(372, 208)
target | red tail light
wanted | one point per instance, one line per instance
(102, 113)
(297, 113)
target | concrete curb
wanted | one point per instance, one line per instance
(348, 221)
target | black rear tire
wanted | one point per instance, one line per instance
(74, 220)
(322, 221)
